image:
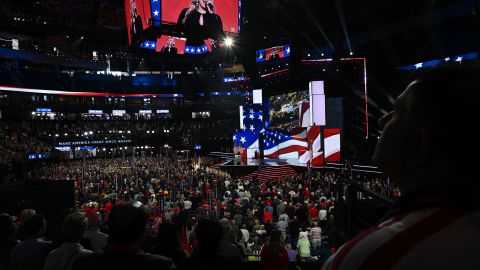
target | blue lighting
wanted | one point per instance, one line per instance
(149, 44)
(432, 63)
(43, 109)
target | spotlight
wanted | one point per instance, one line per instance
(351, 53)
(81, 37)
(228, 41)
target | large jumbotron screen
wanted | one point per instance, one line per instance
(285, 112)
(141, 14)
(228, 10)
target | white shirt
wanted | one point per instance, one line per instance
(322, 214)
(187, 205)
(246, 235)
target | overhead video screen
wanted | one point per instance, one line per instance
(273, 53)
(171, 45)
(284, 112)
(138, 14)
(196, 19)
(228, 11)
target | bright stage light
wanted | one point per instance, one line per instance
(228, 41)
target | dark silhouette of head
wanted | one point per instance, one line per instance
(35, 226)
(127, 224)
(428, 135)
(209, 235)
(73, 227)
(168, 239)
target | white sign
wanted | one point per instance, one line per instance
(95, 111)
(119, 112)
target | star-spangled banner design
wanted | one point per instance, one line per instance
(276, 143)
(156, 9)
(196, 49)
(431, 63)
(284, 144)
(149, 44)
(253, 118)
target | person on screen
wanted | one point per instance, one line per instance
(136, 25)
(169, 48)
(274, 54)
(200, 21)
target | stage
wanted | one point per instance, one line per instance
(263, 168)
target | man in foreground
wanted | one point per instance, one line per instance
(425, 148)
(127, 232)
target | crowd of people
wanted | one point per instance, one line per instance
(192, 210)
(15, 144)
(22, 137)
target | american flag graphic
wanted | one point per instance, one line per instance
(246, 139)
(156, 9)
(246, 142)
(253, 118)
(282, 144)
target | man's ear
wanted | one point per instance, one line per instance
(420, 148)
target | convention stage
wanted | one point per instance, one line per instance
(263, 168)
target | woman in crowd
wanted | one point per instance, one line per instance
(274, 255)
(303, 246)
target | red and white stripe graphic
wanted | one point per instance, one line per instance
(290, 148)
(298, 142)
(314, 138)
(412, 240)
(315, 155)
(304, 157)
(332, 144)
(304, 114)
(250, 151)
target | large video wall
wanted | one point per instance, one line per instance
(285, 110)
(193, 20)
